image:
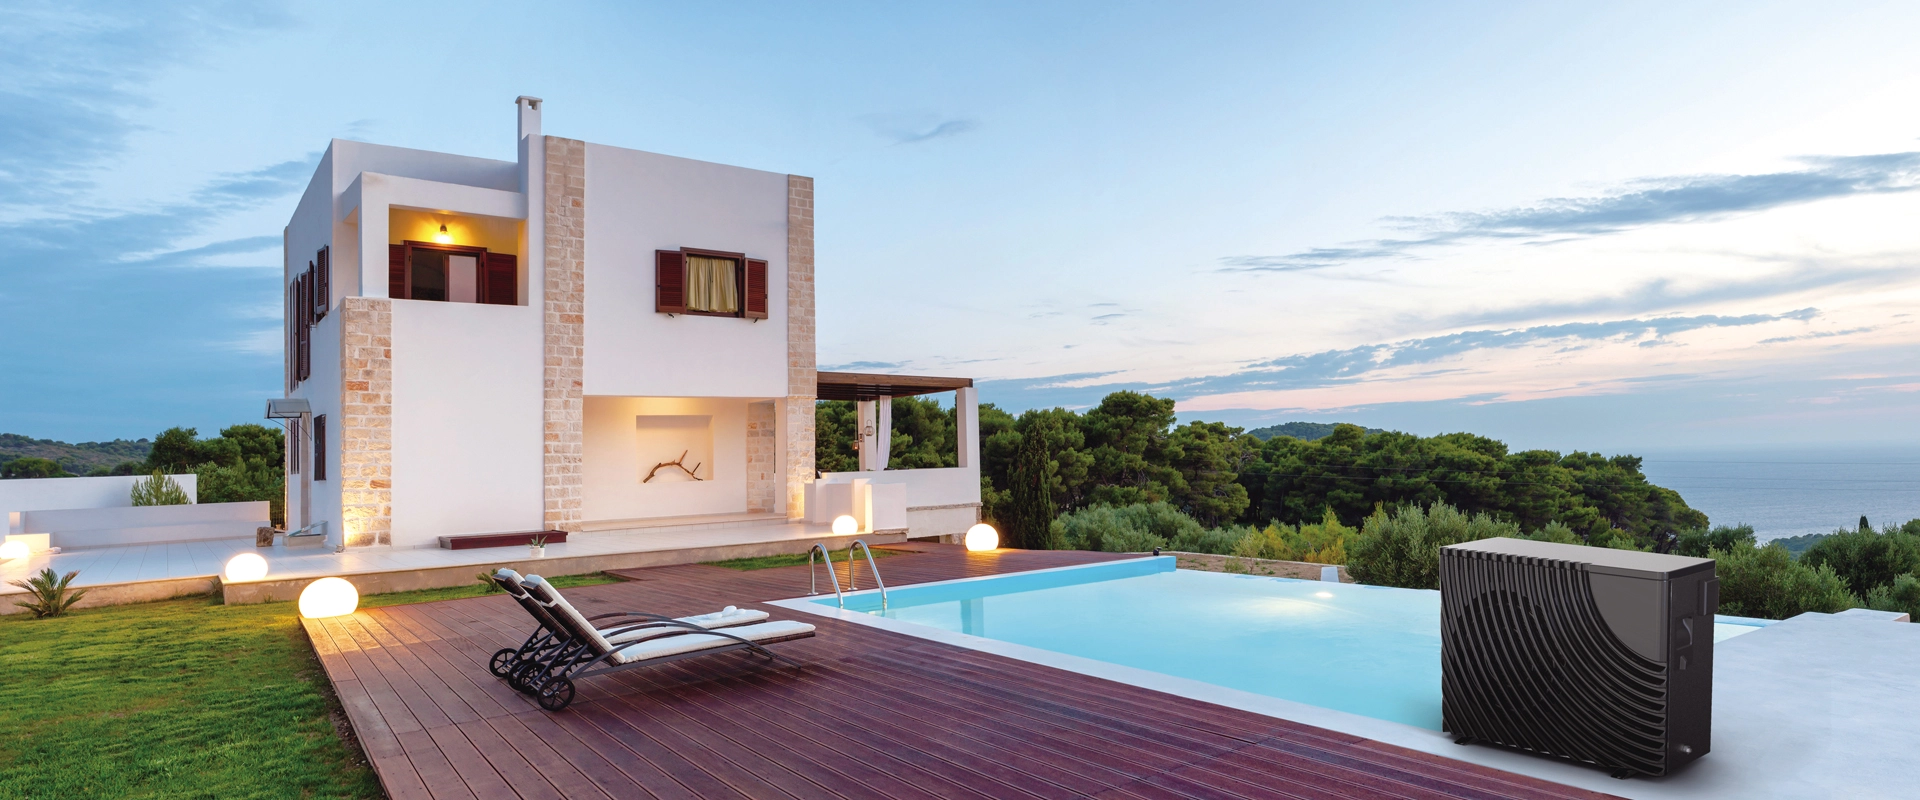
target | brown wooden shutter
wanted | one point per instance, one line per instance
(320, 447)
(292, 342)
(669, 282)
(303, 313)
(397, 271)
(756, 304)
(500, 282)
(323, 284)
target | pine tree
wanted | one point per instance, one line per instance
(1031, 503)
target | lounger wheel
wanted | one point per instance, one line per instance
(556, 693)
(526, 677)
(504, 661)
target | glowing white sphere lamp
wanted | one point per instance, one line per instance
(328, 597)
(982, 537)
(844, 525)
(14, 549)
(244, 567)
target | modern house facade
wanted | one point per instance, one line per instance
(588, 338)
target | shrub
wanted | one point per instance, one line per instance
(158, 490)
(48, 594)
(1403, 548)
(1556, 533)
(1700, 541)
(1323, 543)
(1865, 559)
(1217, 541)
(1902, 595)
(1766, 582)
(1126, 529)
(32, 467)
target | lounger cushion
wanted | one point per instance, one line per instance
(688, 643)
(718, 619)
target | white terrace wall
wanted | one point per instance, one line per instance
(940, 502)
(47, 494)
(467, 432)
(104, 527)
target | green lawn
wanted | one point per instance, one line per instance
(799, 560)
(181, 698)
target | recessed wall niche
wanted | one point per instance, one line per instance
(662, 440)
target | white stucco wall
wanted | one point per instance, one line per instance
(641, 202)
(619, 454)
(47, 494)
(322, 391)
(466, 420)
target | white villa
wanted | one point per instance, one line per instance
(589, 339)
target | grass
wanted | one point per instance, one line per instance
(179, 698)
(793, 560)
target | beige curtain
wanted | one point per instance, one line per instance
(711, 285)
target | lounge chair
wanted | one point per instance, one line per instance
(592, 651)
(550, 637)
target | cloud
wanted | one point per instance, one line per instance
(75, 74)
(858, 366)
(1817, 335)
(1664, 293)
(1649, 201)
(1350, 365)
(914, 128)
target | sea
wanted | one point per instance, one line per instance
(1792, 491)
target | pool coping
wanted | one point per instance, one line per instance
(1379, 730)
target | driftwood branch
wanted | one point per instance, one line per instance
(678, 462)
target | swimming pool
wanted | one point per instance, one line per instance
(1368, 650)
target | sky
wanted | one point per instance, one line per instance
(1569, 226)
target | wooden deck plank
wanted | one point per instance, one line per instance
(873, 714)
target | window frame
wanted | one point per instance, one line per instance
(479, 253)
(739, 280)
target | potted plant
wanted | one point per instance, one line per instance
(537, 546)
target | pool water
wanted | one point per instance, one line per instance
(1368, 650)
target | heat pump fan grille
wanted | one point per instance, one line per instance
(1528, 662)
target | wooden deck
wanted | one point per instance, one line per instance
(873, 714)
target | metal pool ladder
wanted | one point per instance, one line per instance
(813, 585)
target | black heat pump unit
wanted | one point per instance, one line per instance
(1600, 656)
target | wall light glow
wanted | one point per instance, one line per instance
(14, 549)
(443, 236)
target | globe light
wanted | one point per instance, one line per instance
(844, 525)
(982, 537)
(244, 567)
(14, 549)
(328, 597)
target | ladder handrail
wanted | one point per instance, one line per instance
(862, 544)
(812, 586)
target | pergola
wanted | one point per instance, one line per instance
(873, 393)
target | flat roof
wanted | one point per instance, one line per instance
(872, 386)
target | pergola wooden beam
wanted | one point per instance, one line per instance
(870, 386)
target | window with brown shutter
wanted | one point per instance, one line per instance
(303, 313)
(322, 285)
(320, 447)
(756, 305)
(501, 284)
(685, 281)
(397, 271)
(669, 282)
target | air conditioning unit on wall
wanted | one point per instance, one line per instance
(1600, 656)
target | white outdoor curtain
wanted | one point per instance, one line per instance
(711, 285)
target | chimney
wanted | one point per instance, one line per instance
(529, 108)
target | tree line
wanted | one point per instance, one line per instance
(1130, 449)
(244, 463)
